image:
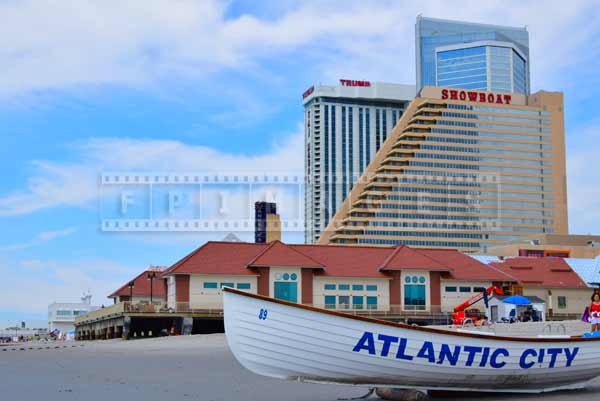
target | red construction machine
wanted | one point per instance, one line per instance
(462, 311)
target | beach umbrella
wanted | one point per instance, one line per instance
(517, 300)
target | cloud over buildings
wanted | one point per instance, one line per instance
(76, 183)
(142, 42)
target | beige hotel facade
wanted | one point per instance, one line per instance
(462, 169)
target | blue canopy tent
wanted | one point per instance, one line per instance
(504, 308)
(517, 300)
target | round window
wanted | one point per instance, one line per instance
(286, 276)
(278, 276)
(415, 279)
(407, 279)
(294, 276)
(422, 280)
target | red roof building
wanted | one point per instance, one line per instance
(391, 279)
(334, 275)
(142, 288)
(550, 279)
(540, 272)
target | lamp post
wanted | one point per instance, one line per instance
(151, 276)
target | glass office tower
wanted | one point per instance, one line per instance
(472, 56)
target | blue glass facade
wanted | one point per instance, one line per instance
(462, 68)
(488, 68)
(432, 34)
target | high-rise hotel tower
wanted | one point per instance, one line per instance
(463, 169)
(344, 126)
(468, 55)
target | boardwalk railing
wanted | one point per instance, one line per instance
(102, 313)
(163, 308)
(375, 311)
(398, 312)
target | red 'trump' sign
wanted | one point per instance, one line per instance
(350, 82)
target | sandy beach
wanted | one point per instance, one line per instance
(163, 369)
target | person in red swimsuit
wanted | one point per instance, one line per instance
(595, 312)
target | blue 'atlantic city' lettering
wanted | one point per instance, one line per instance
(496, 358)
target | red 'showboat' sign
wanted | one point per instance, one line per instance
(481, 97)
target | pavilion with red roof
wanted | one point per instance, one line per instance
(332, 276)
(415, 284)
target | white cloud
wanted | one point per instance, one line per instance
(76, 184)
(42, 237)
(142, 42)
(55, 281)
(92, 42)
(49, 235)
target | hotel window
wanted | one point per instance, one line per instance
(465, 289)
(357, 302)
(450, 289)
(562, 302)
(358, 287)
(243, 286)
(330, 287)
(377, 131)
(368, 131)
(361, 158)
(372, 287)
(384, 124)
(329, 301)
(371, 302)
(344, 155)
(350, 147)
(344, 287)
(414, 293)
(210, 285)
(344, 301)
(230, 285)
(63, 313)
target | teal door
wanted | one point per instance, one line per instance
(286, 291)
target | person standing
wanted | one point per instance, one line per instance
(595, 312)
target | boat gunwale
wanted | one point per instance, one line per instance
(407, 326)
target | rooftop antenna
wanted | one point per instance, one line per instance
(87, 297)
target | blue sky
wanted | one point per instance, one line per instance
(212, 86)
